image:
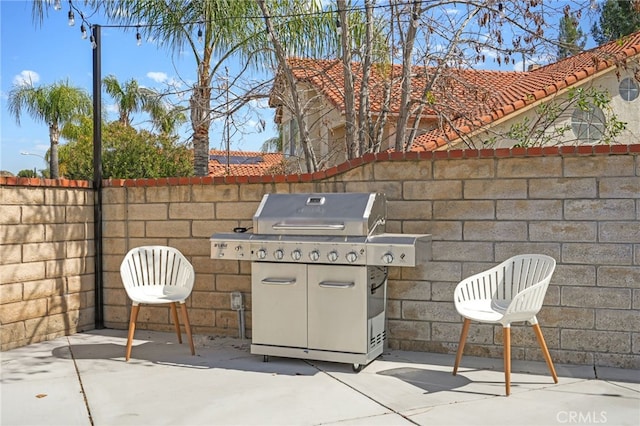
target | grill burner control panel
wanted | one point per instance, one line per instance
(382, 250)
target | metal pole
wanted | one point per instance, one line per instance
(97, 175)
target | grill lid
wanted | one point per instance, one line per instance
(346, 214)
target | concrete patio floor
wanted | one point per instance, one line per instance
(84, 380)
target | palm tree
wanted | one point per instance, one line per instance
(184, 24)
(54, 105)
(213, 31)
(166, 119)
(131, 98)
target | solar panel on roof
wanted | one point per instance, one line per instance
(237, 159)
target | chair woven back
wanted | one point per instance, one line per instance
(156, 266)
(521, 272)
(514, 276)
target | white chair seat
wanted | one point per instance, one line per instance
(509, 292)
(157, 294)
(481, 310)
(157, 275)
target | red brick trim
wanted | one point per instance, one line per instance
(461, 154)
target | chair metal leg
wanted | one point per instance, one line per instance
(187, 327)
(545, 352)
(507, 358)
(176, 322)
(132, 328)
(463, 339)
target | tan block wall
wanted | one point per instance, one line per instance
(579, 205)
(46, 263)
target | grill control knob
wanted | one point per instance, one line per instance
(261, 254)
(352, 256)
(314, 255)
(278, 254)
(332, 256)
(296, 254)
(387, 257)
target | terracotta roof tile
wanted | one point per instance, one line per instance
(454, 88)
(459, 93)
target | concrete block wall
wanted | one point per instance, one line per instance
(580, 205)
(46, 261)
(581, 210)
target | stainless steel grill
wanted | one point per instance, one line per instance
(319, 274)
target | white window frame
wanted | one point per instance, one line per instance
(588, 125)
(629, 89)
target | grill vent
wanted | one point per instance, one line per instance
(378, 339)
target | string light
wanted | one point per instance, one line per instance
(92, 39)
(414, 20)
(57, 6)
(72, 18)
(199, 34)
(83, 30)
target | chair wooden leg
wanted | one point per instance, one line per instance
(463, 339)
(545, 352)
(132, 328)
(187, 327)
(507, 358)
(176, 322)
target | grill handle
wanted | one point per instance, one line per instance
(337, 284)
(283, 226)
(279, 281)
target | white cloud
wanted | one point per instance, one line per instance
(157, 76)
(26, 78)
(112, 108)
(260, 103)
(176, 84)
(489, 53)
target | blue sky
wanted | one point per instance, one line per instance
(55, 51)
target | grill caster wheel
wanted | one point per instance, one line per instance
(265, 358)
(356, 367)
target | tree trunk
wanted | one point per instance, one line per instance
(349, 95)
(200, 103)
(54, 138)
(309, 155)
(405, 101)
(366, 133)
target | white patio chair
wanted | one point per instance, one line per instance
(157, 275)
(512, 291)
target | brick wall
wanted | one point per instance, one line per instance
(46, 261)
(579, 205)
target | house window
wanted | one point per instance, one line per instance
(588, 125)
(628, 89)
(291, 137)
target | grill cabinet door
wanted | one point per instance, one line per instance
(338, 308)
(279, 304)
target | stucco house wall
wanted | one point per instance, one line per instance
(607, 82)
